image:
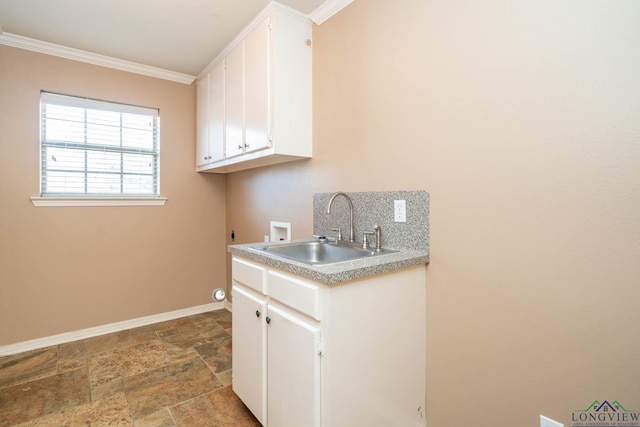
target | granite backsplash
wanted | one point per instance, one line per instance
(376, 208)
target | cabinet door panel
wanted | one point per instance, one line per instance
(216, 113)
(249, 351)
(202, 108)
(294, 371)
(257, 85)
(234, 96)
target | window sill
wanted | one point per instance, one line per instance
(98, 201)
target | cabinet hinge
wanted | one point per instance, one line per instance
(320, 347)
(269, 26)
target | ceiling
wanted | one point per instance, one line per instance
(181, 36)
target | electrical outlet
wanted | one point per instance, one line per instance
(400, 210)
(548, 422)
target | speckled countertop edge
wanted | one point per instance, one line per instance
(334, 273)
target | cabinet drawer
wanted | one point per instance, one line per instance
(250, 275)
(298, 294)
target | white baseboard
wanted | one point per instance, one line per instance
(66, 337)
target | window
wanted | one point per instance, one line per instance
(97, 149)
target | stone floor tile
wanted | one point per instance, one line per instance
(221, 408)
(72, 365)
(217, 354)
(201, 331)
(126, 361)
(225, 377)
(160, 418)
(89, 346)
(28, 366)
(222, 317)
(37, 398)
(160, 326)
(136, 376)
(109, 412)
(107, 389)
(169, 385)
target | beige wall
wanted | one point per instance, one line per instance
(64, 269)
(521, 119)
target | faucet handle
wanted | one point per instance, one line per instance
(365, 241)
(339, 231)
(378, 237)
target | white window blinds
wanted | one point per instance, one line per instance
(97, 149)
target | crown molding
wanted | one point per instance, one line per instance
(272, 6)
(327, 9)
(92, 58)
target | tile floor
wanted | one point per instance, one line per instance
(173, 373)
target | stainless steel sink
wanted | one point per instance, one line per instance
(318, 252)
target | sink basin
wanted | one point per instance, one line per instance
(317, 252)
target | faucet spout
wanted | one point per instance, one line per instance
(352, 233)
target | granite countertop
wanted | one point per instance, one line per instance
(335, 272)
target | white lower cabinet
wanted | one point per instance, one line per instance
(315, 355)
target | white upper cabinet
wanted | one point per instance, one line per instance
(266, 107)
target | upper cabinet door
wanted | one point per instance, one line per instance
(257, 79)
(202, 109)
(234, 96)
(216, 113)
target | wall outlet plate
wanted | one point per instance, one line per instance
(400, 210)
(548, 422)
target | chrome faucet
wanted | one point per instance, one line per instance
(351, 230)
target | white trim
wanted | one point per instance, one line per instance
(327, 9)
(265, 12)
(98, 201)
(37, 343)
(93, 58)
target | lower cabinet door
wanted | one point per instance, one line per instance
(293, 362)
(249, 342)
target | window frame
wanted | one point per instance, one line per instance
(87, 198)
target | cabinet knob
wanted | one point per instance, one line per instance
(268, 319)
(239, 147)
(257, 313)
